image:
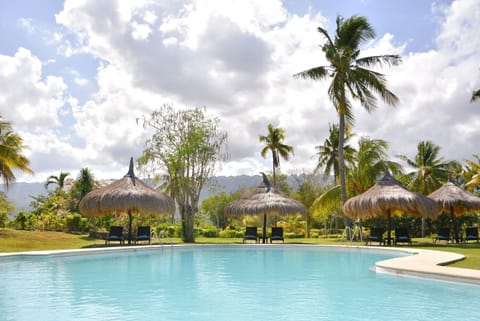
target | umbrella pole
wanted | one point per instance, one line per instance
(129, 227)
(264, 231)
(455, 233)
(389, 227)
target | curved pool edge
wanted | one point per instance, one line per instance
(420, 263)
(429, 264)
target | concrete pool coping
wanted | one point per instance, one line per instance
(428, 264)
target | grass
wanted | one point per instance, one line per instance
(21, 241)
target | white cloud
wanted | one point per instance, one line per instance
(238, 59)
(27, 24)
(33, 102)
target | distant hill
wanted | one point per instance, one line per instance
(20, 194)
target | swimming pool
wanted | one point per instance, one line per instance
(225, 283)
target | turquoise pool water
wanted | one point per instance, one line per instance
(225, 283)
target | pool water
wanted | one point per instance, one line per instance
(226, 283)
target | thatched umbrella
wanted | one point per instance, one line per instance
(387, 197)
(454, 199)
(127, 195)
(265, 199)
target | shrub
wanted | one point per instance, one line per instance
(76, 223)
(228, 233)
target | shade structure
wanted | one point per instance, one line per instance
(265, 199)
(455, 200)
(126, 196)
(388, 197)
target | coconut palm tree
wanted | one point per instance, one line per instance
(471, 174)
(475, 95)
(11, 157)
(351, 78)
(57, 180)
(84, 183)
(273, 142)
(429, 170)
(371, 160)
(328, 153)
(367, 164)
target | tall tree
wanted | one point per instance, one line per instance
(471, 174)
(351, 76)
(57, 180)
(328, 153)
(371, 160)
(11, 157)
(274, 143)
(186, 145)
(84, 183)
(429, 171)
(475, 95)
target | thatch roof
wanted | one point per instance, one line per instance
(265, 200)
(126, 195)
(451, 197)
(389, 195)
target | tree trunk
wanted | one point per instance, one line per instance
(188, 232)
(341, 164)
(274, 176)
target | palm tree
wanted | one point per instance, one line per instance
(273, 143)
(328, 153)
(57, 180)
(429, 170)
(351, 78)
(84, 183)
(11, 157)
(370, 163)
(475, 95)
(363, 169)
(471, 174)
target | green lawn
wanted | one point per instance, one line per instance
(20, 241)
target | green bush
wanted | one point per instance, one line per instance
(228, 233)
(210, 231)
(292, 235)
(76, 223)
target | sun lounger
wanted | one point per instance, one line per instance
(376, 235)
(277, 234)
(443, 235)
(143, 234)
(402, 236)
(471, 234)
(251, 234)
(115, 234)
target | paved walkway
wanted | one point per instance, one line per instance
(429, 264)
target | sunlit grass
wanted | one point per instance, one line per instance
(21, 241)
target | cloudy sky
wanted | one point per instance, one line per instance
(75, 76)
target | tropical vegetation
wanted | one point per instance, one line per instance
(186, 146)
(11, 153)
(274, 143)
(351, 77)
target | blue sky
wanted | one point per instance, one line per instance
(74, 76)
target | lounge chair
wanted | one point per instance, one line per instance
(402, 236)
(277, 234)
(143, 234)
(115, 234)
(376, 235)
(251, 234)
(443, 235)
(471, 234)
